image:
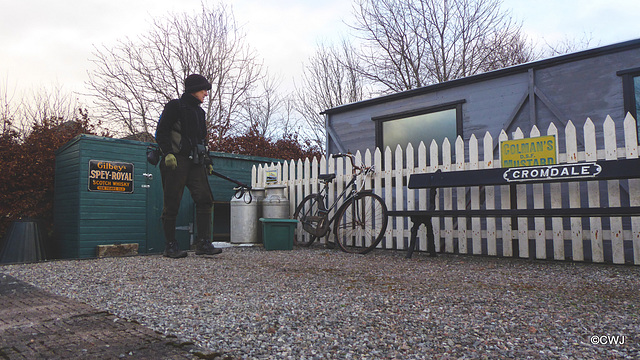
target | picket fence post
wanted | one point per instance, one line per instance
(631, 150)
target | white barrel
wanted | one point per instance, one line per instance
(275, 204)
(244, 221)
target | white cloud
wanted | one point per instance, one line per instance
(286, 33)
(44, 42)
(604, 21)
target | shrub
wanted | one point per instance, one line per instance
(27, 168)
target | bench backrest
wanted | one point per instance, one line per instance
(585, 171)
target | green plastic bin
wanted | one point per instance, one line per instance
(277, 234)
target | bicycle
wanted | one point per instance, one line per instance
(359, 222)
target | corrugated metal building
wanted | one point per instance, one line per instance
(587, 84)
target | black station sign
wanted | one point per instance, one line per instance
(541, 173)
(110, 176)
(584, 171)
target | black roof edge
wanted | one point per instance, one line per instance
(538, 64)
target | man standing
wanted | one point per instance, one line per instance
(181, 135)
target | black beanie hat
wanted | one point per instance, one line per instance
(194, 83)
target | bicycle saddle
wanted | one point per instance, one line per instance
(327, 178)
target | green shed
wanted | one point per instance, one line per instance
(106, 193)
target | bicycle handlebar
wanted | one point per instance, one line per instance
(350, 156)
(353, 162)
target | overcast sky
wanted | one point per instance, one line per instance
(45, 43)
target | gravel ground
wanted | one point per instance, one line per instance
(249, 303)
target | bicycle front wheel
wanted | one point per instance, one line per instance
(307, 213)
(360, 223)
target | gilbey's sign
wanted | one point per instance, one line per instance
(110, 176)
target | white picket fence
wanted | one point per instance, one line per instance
(611, 239)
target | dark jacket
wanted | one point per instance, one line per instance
(182, 126)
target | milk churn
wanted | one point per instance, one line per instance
(244, 220)
(258, 197)
(275, 204)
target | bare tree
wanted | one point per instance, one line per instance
(53, 104)
(290, 123)
(414, 43)
(567, 45)
(7, 112)
(262, 110)
(135, 78)
(329, 79)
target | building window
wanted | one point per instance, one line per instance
(427, 124)
(631, 93)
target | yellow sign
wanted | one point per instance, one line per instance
(110, 176)
(529, 152)
(272, 176)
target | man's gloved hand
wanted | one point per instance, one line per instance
(209, 169)
(171, 162)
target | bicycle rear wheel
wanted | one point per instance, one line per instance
(307, 214)
(360, 223)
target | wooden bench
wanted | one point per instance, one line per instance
(584, 171)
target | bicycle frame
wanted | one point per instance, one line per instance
(350, 191)
(359, 215)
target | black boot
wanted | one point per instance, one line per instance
(171, 250)
(204, 247)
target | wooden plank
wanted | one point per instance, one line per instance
(521, 199)
(278, 167)
(538, 203)
(254, 176)
(343, 168)
(388, 192)
(399, 197)
(361, 239)
(315, 167)
(332, 192)
(422, 195)
(433, 167)
(490, 193)
(307, 176)
(461, 193)
(595, 224)
(377, 185)
(299, 191)
(631, 149)
(448, 198)
(577, 252)
(368, 162)
(476, 227)
(410, 169)
(505, 203)
(287, 190)
(613, 193)
(300, 180)
(557, 227)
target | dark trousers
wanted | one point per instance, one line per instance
(194, 177)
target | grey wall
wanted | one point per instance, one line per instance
(571, 87)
